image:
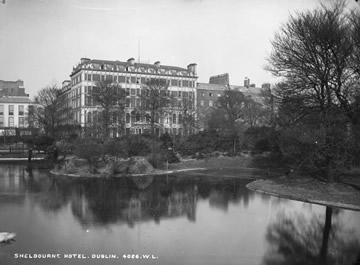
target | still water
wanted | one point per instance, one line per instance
(175, 219)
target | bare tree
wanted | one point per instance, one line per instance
(270, 106)
(45, 111)
(230, 114)
(314, 54)
(188, 115)
(155, 103)
(254, 112)
(111, 99)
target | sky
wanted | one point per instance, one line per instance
(42, 40)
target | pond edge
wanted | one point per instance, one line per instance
(253, 187)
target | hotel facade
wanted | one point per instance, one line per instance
(78, 99)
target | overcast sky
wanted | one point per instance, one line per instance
(41, 40)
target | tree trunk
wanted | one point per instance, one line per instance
(234, 144)
(326, 234)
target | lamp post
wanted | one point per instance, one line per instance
(167, 157)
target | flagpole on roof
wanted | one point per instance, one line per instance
(138, 49)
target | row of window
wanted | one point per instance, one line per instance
(202, 103)
(110, 67)
(92, 117)
(11, 122)
(138, 92)
(135, 101)
(11, 110)
(115, 132)
(133, 80)
(174, 131)
(202, 94)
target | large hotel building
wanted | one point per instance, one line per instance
(132, 76)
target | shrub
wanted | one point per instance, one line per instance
(90, 151)
(185, 146)
(157, 160)
(261, 139)
(139, 165)
(43, 142)
(117, 167)
(166, 140)
(65, 148)
(137, 145)
(115, 148)
(172, 157)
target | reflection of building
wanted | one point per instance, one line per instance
(131, 76)
(12, 179)
(14, 105)
(121, 201)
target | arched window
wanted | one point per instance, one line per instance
(180, 119)
(174, 118)
(89, 117)
(95, 117)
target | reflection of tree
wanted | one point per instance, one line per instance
(54, 192)
(104, 201)
(101, 201)
(298, 241)
(222, 191)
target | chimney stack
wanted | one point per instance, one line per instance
(247, 82)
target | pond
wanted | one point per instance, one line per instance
(174, 219)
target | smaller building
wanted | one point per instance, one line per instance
(14, 105)
(220, 79)
(208, 93)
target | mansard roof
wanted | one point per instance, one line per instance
(111, 65)
(15, 100)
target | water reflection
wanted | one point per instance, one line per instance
(319, 240)
(184, 219)
(102, 201)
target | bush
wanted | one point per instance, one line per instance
(185, 146)
(43, 142)
(137, 145)
(204, 142)
(157, 160)
(118, 167)
(261, 139)
(139, 165)
(166, 140)
(115, 148)
(65, 148)
(172, 157)
(262, 145)
(90, 151)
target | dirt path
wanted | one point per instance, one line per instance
(310, 190)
